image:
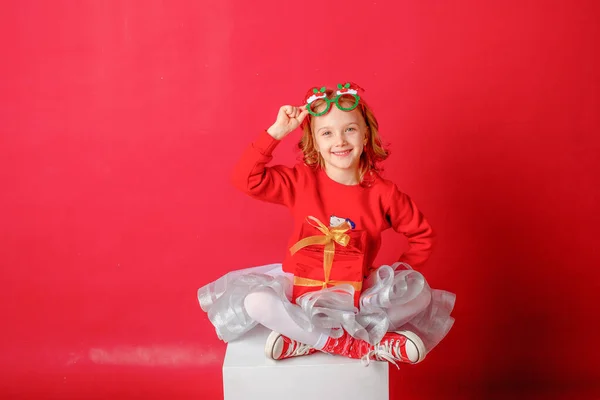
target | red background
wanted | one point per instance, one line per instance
(120, 121)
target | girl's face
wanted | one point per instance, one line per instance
(340, 139)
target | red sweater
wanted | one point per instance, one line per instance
(309, 191)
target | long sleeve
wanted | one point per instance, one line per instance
(251, 175)
(405, 218)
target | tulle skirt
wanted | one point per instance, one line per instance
(395, 297)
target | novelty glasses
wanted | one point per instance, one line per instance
(346, 91)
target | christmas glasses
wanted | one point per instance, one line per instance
(346, 91)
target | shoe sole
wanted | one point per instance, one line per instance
(270, 345)
(417, 342)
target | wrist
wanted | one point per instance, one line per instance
(276, 133)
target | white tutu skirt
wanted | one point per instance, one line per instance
(394, 298)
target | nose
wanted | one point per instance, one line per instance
(340, 139)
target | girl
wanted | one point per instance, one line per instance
(327, 295)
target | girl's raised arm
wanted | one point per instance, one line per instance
(274, 184)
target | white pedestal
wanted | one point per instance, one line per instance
(249, 375)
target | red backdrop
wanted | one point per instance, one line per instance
(120, 122)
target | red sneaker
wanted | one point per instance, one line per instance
(403, 346)
(279, 347)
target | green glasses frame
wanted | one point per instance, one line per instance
(343, 90)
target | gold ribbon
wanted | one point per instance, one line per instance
(330, 237)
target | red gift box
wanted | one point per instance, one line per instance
(326, 257)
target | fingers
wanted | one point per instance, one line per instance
(289, 112)
(294, 112)
(302, 115)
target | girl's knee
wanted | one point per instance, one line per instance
(259, 304)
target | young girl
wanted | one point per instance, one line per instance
(327, 295)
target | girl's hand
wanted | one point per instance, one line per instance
(288, 119)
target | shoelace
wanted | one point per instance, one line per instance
(297, 349)
(383, 351)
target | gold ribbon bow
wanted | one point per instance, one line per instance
(330, 237)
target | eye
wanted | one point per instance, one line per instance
(350, 129)
(326, 133)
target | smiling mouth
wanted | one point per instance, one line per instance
(342, 153)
